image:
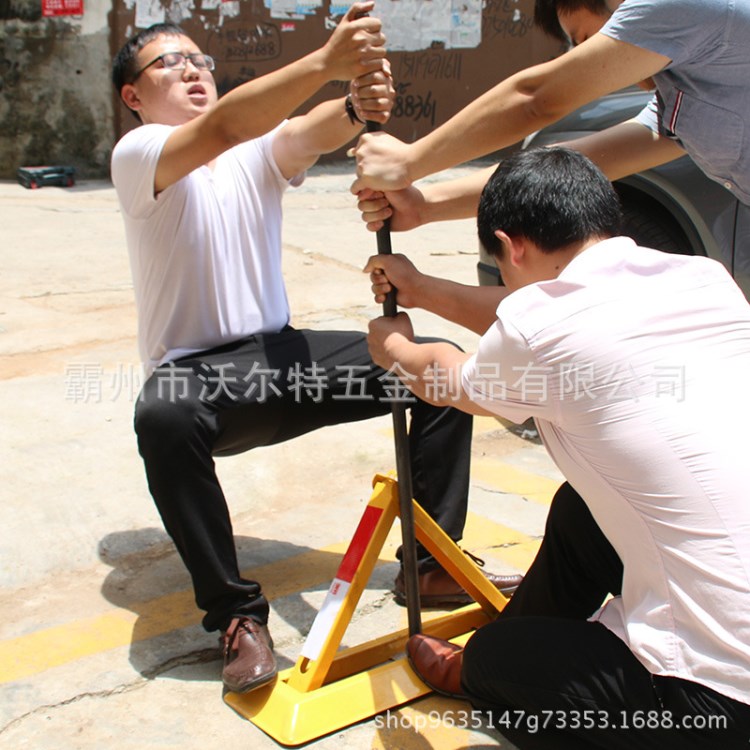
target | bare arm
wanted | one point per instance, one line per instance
(516, 107)
(431, 371)
(627, 148)
(473, 307)
(621, 150)
(423, 203)
(456, 199)
(327, 127)
(256, 107)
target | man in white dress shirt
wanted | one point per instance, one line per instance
(632, 627)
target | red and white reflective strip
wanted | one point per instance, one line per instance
(675, 113)
(334, 600)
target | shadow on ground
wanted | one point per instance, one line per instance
(149, 579)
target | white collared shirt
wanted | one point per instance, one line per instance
(636, 366)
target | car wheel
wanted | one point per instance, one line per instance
(650, 224)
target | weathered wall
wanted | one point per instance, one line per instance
(56, 105)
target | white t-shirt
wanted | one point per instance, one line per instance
(205, 253)
(636, 366)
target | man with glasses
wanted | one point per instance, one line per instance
(179, 61)
(200, 185)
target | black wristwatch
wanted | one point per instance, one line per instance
(350, 111)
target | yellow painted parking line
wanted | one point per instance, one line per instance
(45, 649)
(515, 481)
(487, 424)
(481, 532)
(509, 545)
(52, 647)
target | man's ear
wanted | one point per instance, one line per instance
(513, 249)
(130, 96)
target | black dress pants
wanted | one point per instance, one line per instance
(548, 678)
(262, 391)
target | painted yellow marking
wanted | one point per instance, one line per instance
(45, 649)
(504, 543)
(487, 424)
(515, 481)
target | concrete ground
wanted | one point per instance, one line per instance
(100, 641)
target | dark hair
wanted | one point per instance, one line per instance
(545, 13)
(124, 66)
(552, 196)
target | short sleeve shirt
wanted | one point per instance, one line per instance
(703, 98)
(205, 253)
(635, 365)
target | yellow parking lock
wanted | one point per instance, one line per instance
(328, 689)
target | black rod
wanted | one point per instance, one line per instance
(403, 462)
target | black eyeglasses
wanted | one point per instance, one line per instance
(178, 61)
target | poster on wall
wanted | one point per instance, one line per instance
(62, 7)
(148, 12)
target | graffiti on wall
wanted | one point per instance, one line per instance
(433, 65)
(503, 18)
(414, 106)
(235, 43)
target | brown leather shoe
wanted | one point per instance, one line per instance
(437, 663)
(249, 662)
(438, 589)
